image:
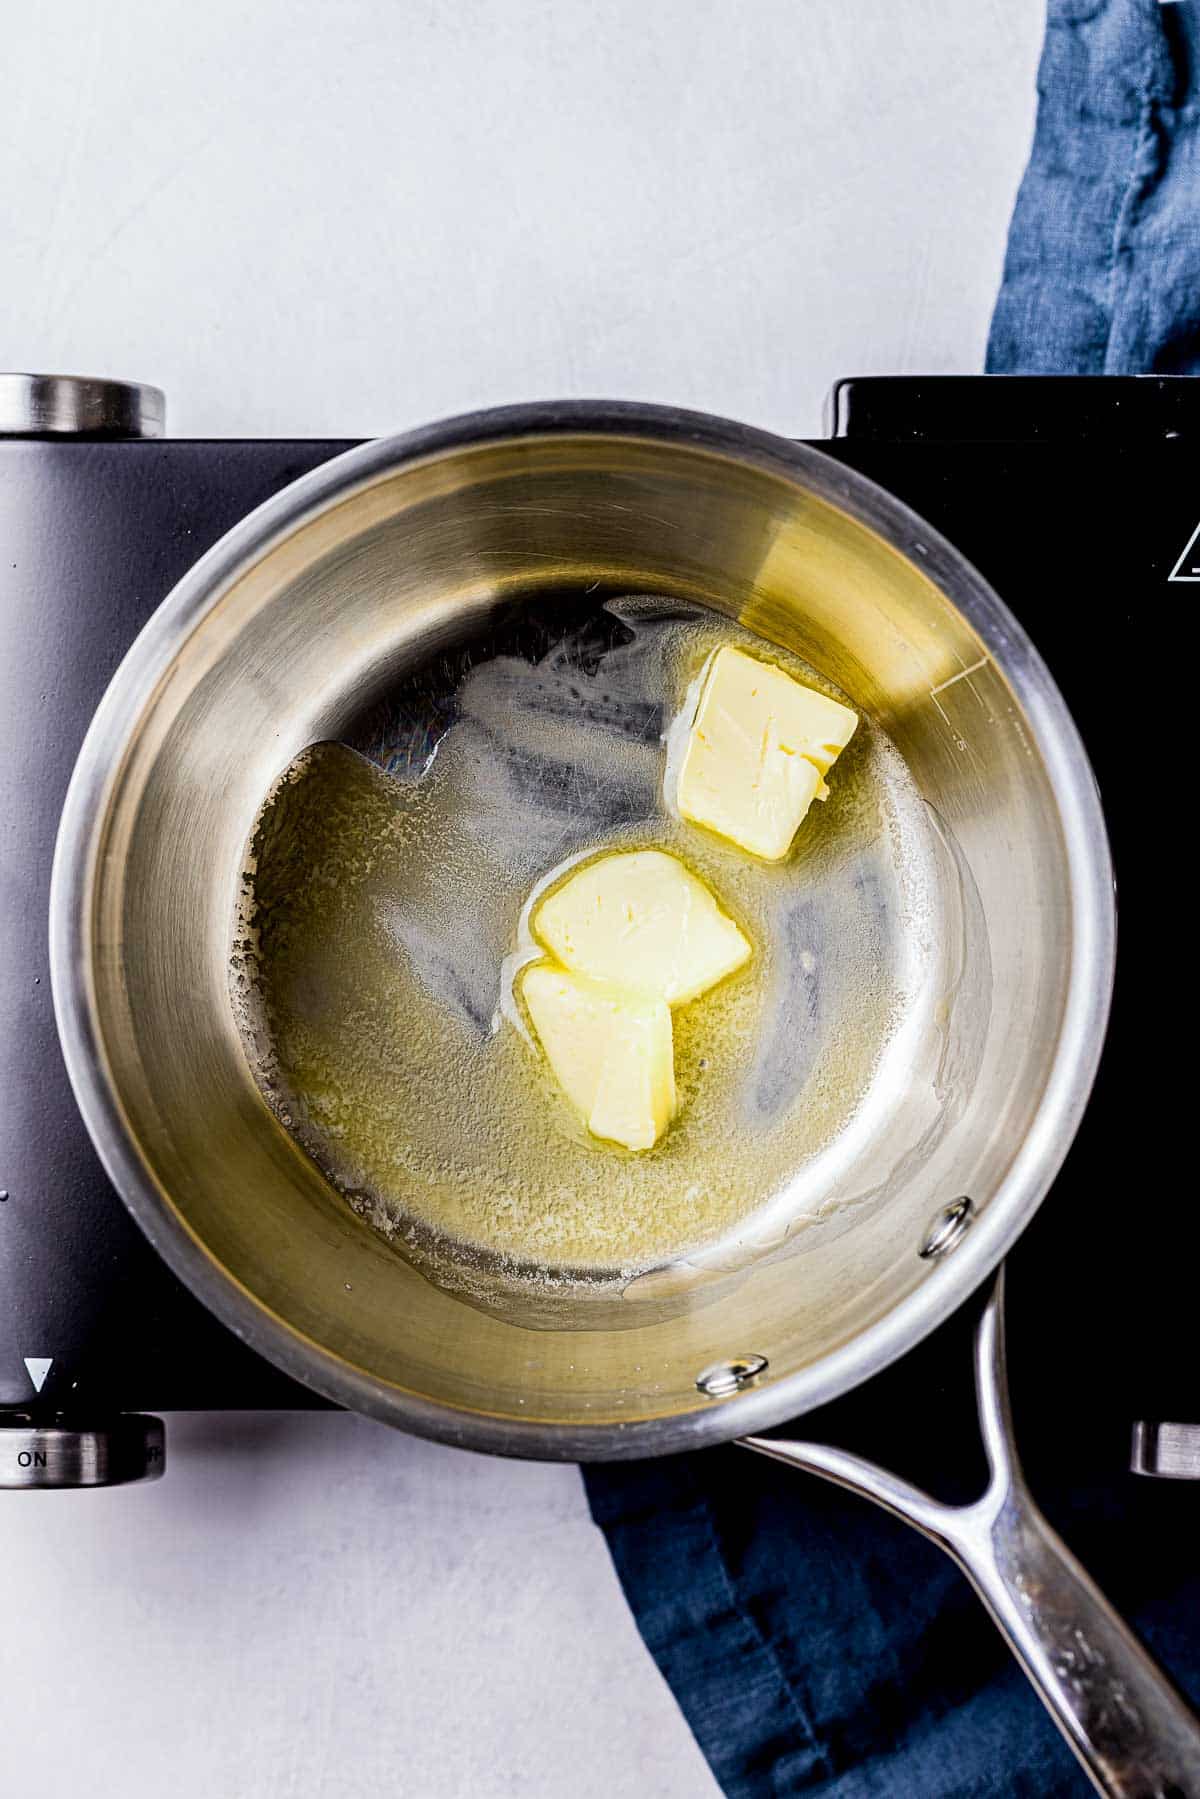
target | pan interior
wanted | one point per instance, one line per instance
(941, 851)
(373, 966)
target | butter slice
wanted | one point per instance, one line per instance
(757, 753)
(640, 920)
(611, 1052)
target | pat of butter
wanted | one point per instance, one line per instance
(757, 752)
(641, 921)
(611, 1052)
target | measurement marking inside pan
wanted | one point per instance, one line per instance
(541, 555)
(964, 674)
(670, 524)
(960, 676)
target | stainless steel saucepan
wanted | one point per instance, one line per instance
(376, 563)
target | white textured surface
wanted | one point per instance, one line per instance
(303, 218)
(319, 1606)
(336, 220)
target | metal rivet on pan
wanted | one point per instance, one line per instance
(721, 1379)
(947, 1229)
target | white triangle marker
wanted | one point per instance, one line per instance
(1188, 566)
(39, 1367)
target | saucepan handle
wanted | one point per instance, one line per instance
(1135, 1735)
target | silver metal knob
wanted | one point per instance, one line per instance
(1169, 1451)
(79, 406)
(43, 1450)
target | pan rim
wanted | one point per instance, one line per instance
(1008, 1209)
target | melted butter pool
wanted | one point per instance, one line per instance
(382, 898)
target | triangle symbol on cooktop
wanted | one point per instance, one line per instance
(39, 1367)
(1188, 566)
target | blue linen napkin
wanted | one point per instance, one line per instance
(1102, 275)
